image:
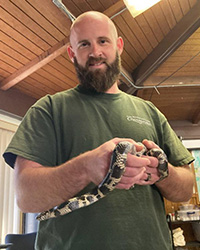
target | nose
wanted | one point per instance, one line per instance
(96, 51)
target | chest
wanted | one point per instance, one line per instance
(87, 125)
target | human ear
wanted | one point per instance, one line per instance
(120, 44)
(70, 53)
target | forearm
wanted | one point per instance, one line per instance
(40, 188)
(178, 186)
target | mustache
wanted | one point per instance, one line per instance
(93, 60)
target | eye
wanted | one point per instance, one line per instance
(103, 41)
(83, 44)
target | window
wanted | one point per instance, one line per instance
(10, 215)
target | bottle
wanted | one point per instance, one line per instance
(173, 214)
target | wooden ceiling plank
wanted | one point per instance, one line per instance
(22, 29)
(172, 100)
(3, 73)
(53, 14)
(18, 47)
(185, 6)
(28, 22)
(64, 80)
(107, 4)
(7, 67)
(41, 78)
(64, 70)
(187, 53)
(192, 2)
(127, 60)
(35, 77)
(127, 35)
(31, 90)
(29, 45)
(158, 13)
(35, 64)
(172, 41)
(10, 51)
(115, 8)
(136, 30)
(154, 24)
(39, 19)
(6, 58)
(30, 81)
(68, 64)
(96, 5)
(82, 5)
(144, 25)
(55, 80)
(130, 38)
(176, 8)
(72, 7)
(166, 9)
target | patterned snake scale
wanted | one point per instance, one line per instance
(116, 169)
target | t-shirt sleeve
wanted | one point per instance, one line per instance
(35, 138)
(167, 139)
(177, 154)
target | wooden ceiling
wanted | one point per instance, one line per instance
(160, 62)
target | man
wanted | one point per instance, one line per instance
(64, 144)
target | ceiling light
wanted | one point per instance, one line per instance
(136, 7)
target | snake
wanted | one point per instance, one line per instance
(112, 178)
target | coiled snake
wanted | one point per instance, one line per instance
(116, 169)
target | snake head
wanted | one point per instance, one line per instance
(124, 147)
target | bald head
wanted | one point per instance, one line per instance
(93, 34)
(92, 17)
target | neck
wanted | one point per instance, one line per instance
(114, 89)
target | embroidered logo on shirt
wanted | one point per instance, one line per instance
(139, 120)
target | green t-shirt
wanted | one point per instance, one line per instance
(68, 123)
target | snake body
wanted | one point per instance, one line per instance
(115, 172)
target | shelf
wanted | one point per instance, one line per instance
(183, 221)
(189, 244)
(193, 244)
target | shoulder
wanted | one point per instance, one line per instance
(50, 100)
(141, 103)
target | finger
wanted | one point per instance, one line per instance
(153, 161)
(128, 182)
(153, 179)
(131, 172)
(150, 144)
(135, 161)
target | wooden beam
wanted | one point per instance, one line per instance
(196, 118)
(35, 64)
(173, 80)
(177, 36)
(115, 8)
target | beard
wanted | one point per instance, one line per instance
(98, 80)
